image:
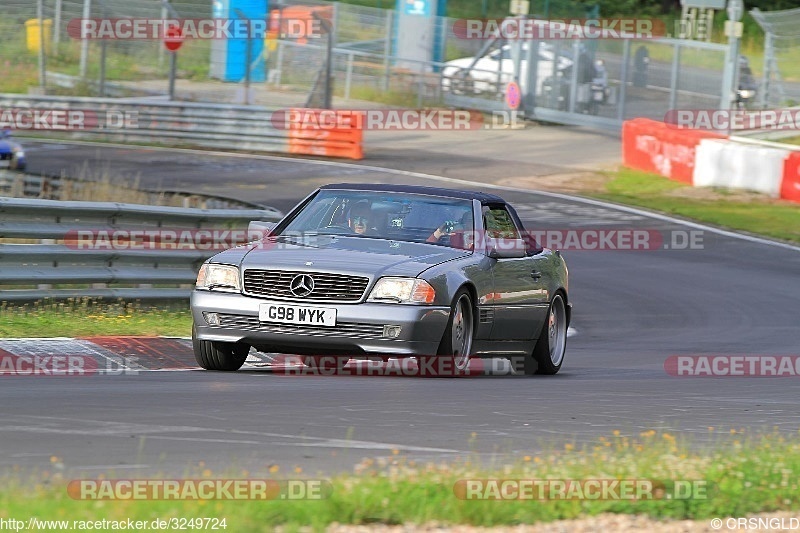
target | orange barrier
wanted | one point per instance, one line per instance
(653, 146)
(310, 136)
(790, 187)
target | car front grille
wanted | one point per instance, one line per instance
(5, 156)
(276, 284)
(353, 330)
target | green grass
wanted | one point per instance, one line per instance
(771, 218)
(742, 474)
(77, 318)
(791, 140)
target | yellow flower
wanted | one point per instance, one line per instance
(395, 451)
(527, 458)
(616, 433)
(273, 469)
(569, 447)
(298, 470)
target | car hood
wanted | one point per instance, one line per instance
(346, 255)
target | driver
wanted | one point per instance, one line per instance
(361, 219)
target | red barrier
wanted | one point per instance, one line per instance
(790, 188)
(343, 139)
(653, 146)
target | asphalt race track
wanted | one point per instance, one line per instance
(632, 310)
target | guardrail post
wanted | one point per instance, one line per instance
(576, 66)
(87, 13)
(623, 87)
(279, 63)
(57, 26)
(348, 75)
(387, 49)
(673, 84)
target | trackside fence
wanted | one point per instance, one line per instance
(57, 249)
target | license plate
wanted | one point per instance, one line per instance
(297, 314)
(5, 163)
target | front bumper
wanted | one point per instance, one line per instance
(360, 327)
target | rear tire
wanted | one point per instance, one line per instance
(225, 356)
(548, 354)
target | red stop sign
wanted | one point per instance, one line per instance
(173, 38)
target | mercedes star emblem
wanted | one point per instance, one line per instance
(301, 285)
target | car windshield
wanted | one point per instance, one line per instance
(383, 215)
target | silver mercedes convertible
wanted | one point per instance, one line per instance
(387, 271)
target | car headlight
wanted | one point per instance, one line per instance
(402, 290)
(19, 152)
(747, 93)
(218, 277)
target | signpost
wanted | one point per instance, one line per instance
(173, 39)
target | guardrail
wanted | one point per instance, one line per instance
(218, 126)
(111, 250)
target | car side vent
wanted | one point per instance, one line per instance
(486, 316)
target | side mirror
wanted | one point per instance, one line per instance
(506, 248)
(258, 229)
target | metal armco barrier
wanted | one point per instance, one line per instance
(124, 264)
(220, 126)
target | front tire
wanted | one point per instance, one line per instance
(456, 345)
(225, 356)
(548, 354)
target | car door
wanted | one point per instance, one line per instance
(519, 296)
